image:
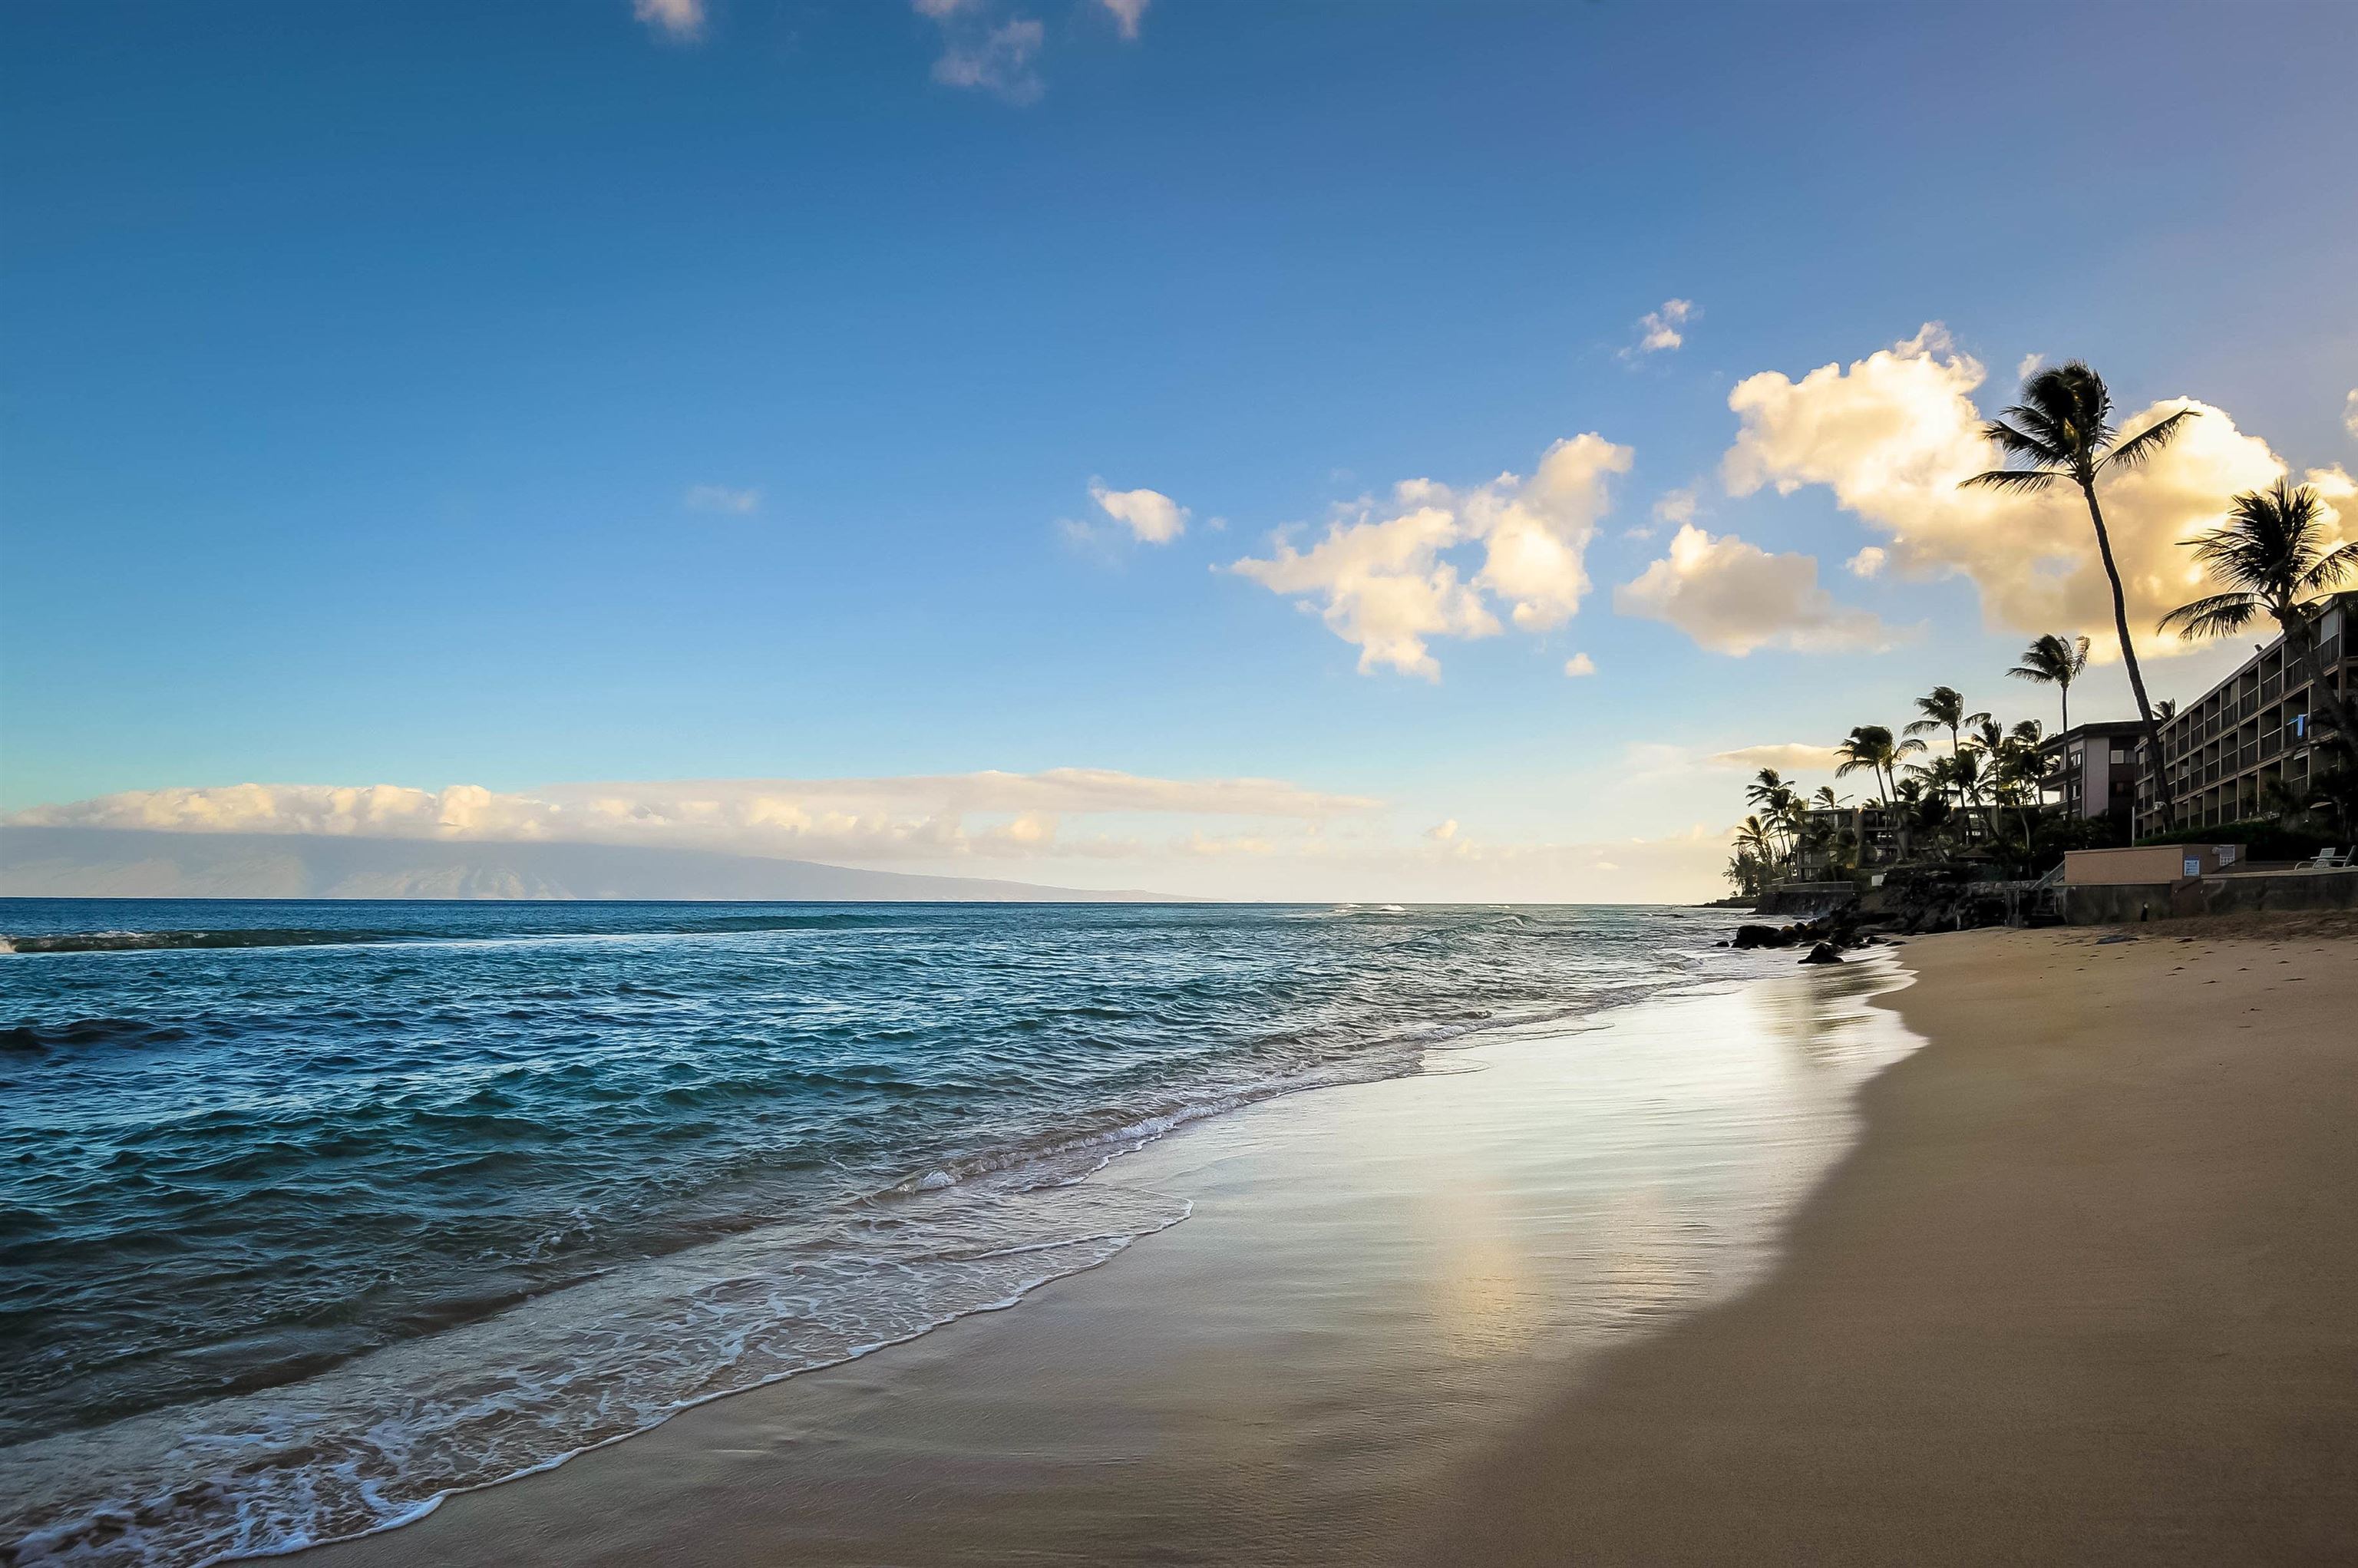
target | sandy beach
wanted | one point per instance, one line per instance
(2083, 1294)
(2070, 1283)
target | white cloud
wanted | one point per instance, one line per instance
(1379, 585)
(679, 18)
(1659, 331)
(1150, 516)
(1732, 597)
(1537, 533)
(1869, 562)
(722, 498)
(2350, 413)
(935, 819)
(2027, 364)
(1220, 838)
(1891, 436)
(1381, 581)
(1580, 664)
(1785, 756)
(996, 60)
(1126, 15)
(1672, 507)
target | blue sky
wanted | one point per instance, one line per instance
(537, 396)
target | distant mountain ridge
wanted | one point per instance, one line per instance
(110, 863)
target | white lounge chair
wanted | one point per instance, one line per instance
(2327, 860)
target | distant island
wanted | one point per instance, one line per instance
(108, 862)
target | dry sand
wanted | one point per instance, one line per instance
(2085, 1288)
(2086, 1293)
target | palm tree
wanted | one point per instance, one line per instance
(1970, 778)
(1943, 708)
(2056, 662)
(2272, 553)
(2061, 428)
(1872, 747)
(1753, 839)
(1868, 746)
(2019, 773)
(1775, 798)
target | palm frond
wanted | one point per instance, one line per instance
(2219, 615)
(2329, 571)
(2138, 448)
(2025, 433)
(2026, 480)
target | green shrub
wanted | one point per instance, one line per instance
(2264, 840)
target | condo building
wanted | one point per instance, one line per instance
(2092, 768)
(2257, 725)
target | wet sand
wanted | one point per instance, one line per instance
(1376, 1282)
(2083, 1287)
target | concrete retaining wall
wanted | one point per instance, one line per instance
(2245, 893)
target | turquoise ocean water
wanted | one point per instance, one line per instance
(311, 1213)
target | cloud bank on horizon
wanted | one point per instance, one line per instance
(1094, 828)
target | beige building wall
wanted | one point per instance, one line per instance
(2146, 863)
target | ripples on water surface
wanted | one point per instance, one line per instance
(311, 1212)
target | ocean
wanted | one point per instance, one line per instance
(311, 1213)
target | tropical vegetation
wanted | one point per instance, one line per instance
(1982, 798)
(2274, 558)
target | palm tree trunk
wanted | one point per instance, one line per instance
(2303, 637)
(2166, 801)
(1891, 808)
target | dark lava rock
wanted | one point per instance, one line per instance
(1823, 953)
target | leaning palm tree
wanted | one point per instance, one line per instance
(2272, 553)
(2061, 429)
(1754, 838)
(1773, 796)
(1868, 747)
(2056, 662)
(1943, 708)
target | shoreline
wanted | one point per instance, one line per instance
(2069, 1284)
(1432, 1235)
